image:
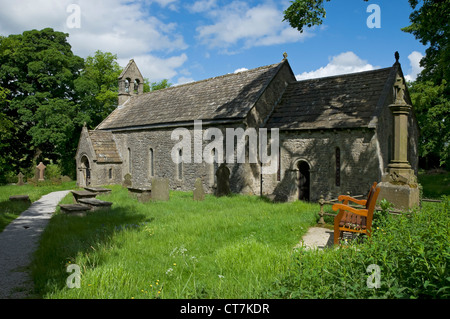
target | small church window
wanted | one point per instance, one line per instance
(338, 166)
(151, 163)
(129, 161)
(180, 164)
(110, 173)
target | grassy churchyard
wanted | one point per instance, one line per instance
(231, 247)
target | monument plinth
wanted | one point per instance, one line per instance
(399, 185)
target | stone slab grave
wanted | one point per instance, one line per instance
(99, 190)
(142, 194)
(74, 209)
(77, 195)
(95, 204)
(199, 192)
(20, 198)
(160, 189)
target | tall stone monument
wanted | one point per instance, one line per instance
(399, 185)
(40, 172)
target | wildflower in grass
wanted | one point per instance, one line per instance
(169, 271)
(221, 277)
(174, 264)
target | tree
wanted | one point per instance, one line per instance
(97, 87)
(153, 86)
(38, 69)
(432, 108)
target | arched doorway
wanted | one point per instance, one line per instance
(86, 170)
(303, 180)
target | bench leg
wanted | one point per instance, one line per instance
(337, 234)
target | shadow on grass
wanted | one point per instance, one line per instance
(11, 210)
(72, 239)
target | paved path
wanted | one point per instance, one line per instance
(318, 237)
(19, 240)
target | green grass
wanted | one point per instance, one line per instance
(229, 247)
(11, 210)
(435, 185)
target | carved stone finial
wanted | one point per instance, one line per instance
(397, 57)
(285, 55)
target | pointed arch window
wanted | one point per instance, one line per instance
(180, 164)
(151, 158)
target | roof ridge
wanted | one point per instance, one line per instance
(214, 78)
(344, 75)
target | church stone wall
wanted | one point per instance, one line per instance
(242, 178)
(359, 163)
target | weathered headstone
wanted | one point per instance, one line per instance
(41, 170)
(160, 189)
(199, 192)
(127, 180)
(20, 179)
(223, 181)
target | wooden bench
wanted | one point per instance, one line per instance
(352, 219)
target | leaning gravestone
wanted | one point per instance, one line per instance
(199, 193)
(20, 179)
(223, 181)
(160, 189)
(127, 180)
(40, 170)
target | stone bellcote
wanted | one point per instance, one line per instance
(131, 82)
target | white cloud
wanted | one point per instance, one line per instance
(237, 23)
(202, 6)
(414, 61)
(155, 68)
(240, 70)
(121, 27)
(346, 62)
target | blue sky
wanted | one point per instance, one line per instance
(186, 41)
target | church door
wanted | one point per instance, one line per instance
(86, 170)
(303, 181)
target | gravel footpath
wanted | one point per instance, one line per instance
(18, 242)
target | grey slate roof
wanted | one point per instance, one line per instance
(225, 97)
(345, 101)
(104, 146)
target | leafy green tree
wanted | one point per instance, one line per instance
(38, 69)
(432, 108)
(153, 86)
(97, 87)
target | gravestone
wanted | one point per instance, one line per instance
(40, 171)
(127, 180)
(160, 189)
(199, 192)
(20, 179)
(223, 181)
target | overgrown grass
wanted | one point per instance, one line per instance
(412, 251)
(229, 247)
(11, 210)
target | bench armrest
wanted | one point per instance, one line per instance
(346, 199)
(360, 212)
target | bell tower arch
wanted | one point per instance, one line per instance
(131, 82)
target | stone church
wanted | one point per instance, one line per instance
(336, 134)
